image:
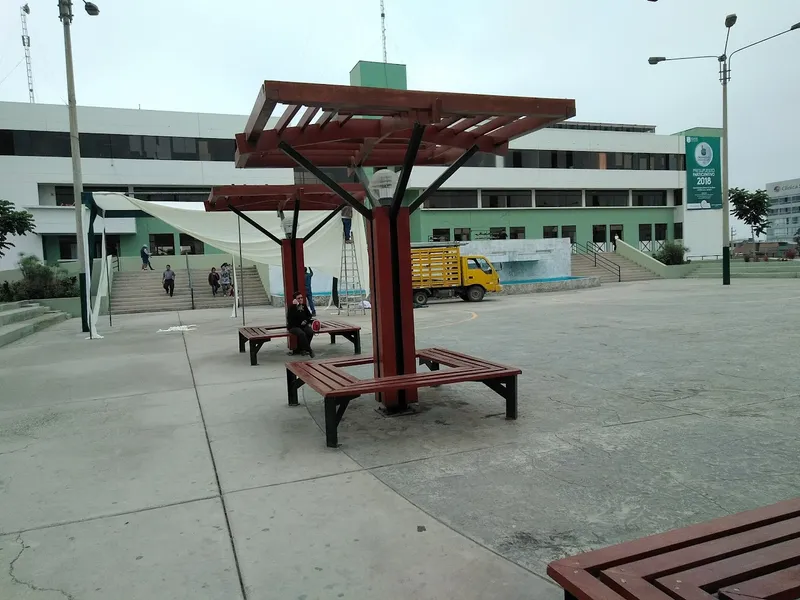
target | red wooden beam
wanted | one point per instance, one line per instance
(286, 117)
(259, 115)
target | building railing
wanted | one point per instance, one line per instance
(189, 279)
(601, 261)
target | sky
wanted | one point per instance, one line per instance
(211, 57)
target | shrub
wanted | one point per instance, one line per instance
(791, 254)
(39, 281)
(672, 253)
(747, 258)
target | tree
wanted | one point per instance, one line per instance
(13, 222)
(752, 208)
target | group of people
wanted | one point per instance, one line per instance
(221, 281)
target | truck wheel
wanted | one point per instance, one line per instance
(420, 297)
(475, 293)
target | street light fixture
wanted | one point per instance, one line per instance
(724, 60)
(65, 15)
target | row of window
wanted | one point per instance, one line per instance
(143, 147)
(647, 233)
(578, 159)
(117, 146)
(65, 196)
(549, 198)
(785, 200)
(785, 210)
(161, 244)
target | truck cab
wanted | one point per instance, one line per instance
(477, 270)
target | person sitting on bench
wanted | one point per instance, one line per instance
(298, 322)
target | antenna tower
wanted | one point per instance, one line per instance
(24, 11)
(383, 31)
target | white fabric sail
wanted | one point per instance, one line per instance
(220, 229)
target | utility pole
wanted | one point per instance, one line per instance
(383, 31)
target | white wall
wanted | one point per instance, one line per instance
(599, 141)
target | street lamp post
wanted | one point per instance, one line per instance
(65, 15)
(724, 77)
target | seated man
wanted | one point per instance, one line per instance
(298, 322)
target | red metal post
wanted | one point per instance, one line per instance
(294, 275)
(392, 301)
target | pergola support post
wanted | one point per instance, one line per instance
(294, 275)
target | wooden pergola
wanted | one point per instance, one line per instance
(342, 126)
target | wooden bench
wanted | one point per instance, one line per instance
(258, 336)
(338, 387)
(749, 555)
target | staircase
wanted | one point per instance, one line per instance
(772, 269)
(141, 291)
(583, 266)
(21, 319)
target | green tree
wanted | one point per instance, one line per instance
(13, 222)
(752, 208)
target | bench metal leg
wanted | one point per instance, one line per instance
(254, 348)
(355, 338)
(334, 411)
(242, 342)
(432, 365)
(333, 338)
(507, 388)
(293, 383)
(568, 596)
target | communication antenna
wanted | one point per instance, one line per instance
(24, 11)
(383, 31)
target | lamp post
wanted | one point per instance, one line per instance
(65, 15)
(724, 77)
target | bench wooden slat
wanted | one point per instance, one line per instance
(780, 584)
(458, 357)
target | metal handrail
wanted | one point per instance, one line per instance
(189, 279)
(600, 261)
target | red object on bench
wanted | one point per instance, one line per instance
(338, 387)
(749, 555)
(258, 336)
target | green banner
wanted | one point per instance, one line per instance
(703, 173)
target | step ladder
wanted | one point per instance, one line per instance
(351, 294)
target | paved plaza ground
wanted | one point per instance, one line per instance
(161, 465)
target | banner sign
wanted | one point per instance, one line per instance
(703, 173)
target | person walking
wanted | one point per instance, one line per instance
(225, 280)
(213, 281)
(145, 254)
(168, 279)
(298, 322)
(309, 292)
(347, 222)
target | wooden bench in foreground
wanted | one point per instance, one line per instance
(746, 556)
(258, 336)
(338, 387)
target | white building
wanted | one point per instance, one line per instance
(784, 212)
(590, 182)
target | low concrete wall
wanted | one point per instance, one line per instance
(651, 264)
(521, 260)
(70, 306)
(580, 283)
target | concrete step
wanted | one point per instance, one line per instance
(16, 331)
(13, 305)
(15, 315)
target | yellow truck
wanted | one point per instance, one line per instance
(440, 271)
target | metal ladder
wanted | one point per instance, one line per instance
(351, 294)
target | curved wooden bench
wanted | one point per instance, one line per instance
(261, 334)
(746, 556)
(338, 387)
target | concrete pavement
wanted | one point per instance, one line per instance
(155, 464)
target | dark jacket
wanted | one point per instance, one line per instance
(298, 316)
(213, 279)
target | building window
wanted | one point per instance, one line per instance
(96, 145)
(190, 245)
(607, 198)
(162, 244)
(461, 234)
(678, 195)
(550, 231)
(645, 232)
(558, 198)
(569, 231)
(67, 247)
(650, 198)
(184, 149)
(498, 233)
(453, 199)
(677, 229)
(482, 159)
(616, 232)
(661, 232)
(517, 233)
(440, 235)
(506, 198)
(599, 237)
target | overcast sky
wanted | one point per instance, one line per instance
(210, 56)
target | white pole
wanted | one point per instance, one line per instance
(726, 205)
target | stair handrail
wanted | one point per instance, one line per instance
(189, 279)
(600, 260)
